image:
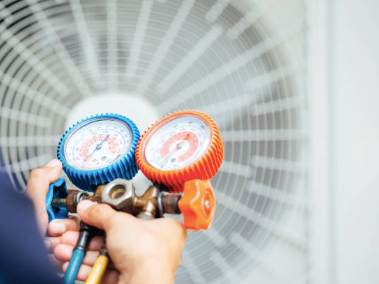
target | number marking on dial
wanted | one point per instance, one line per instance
(97, 144)
(177, 143)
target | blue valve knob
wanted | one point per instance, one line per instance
(58, 190)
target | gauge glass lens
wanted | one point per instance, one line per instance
(177, 143)
(97, 144)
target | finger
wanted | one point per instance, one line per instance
(64, 252)
(51, 243)
(39, 181)
(98, 215)
(71, 238)
(83, 272)
(58, 226)
(110, 275)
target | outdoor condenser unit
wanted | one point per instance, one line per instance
(257, 67)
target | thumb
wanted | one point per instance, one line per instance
(39, 181)
(37, 188)
(97, 215)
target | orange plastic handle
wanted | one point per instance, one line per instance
(198, 204)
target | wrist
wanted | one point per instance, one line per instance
(152, 272)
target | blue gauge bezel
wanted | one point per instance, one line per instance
(84, 124)
(125, 167)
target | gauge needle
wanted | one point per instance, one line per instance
(177, 147)
(98, 147)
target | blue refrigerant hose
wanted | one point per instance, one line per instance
(73, 267)
(86, 233)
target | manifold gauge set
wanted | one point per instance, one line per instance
(179, 154)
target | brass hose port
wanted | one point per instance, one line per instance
(119, 194)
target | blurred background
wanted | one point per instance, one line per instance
(292, 85)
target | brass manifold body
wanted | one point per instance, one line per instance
(121, 195)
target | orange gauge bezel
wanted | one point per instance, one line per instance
(204, 168)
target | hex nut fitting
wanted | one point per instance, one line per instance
(73, 200)
(119, 194)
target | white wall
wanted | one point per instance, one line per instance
(355, 142)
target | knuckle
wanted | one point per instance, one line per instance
(103, 213)
(177, 227)
(36, 174)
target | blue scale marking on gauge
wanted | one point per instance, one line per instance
(98, 150)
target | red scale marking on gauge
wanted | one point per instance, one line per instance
(112, 144)
(180, 137)
(111, 141)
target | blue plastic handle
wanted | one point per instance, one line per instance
(57, 189)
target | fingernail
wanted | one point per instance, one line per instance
(83, 205)
(53, 163)
(47, 244)
(57, 227)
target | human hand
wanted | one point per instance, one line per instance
(56, 230)
(142, 251)
(63, 252)
(37, 188)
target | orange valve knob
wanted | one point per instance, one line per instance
(197, 204)
(182, 146)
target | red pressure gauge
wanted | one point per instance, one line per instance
(183, 146)
(183, 151)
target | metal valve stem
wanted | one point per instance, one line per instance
(120, 194)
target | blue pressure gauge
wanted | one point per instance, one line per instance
(98, 150)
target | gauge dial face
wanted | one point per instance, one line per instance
(97, 144)
(177, 143)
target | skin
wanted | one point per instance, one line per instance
(141, 251)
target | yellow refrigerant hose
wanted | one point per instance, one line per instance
(99, 268)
